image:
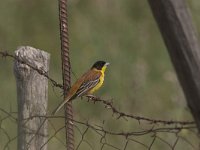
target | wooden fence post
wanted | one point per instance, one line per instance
(175, 23)
(32, 97)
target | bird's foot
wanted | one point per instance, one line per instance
(91, 97)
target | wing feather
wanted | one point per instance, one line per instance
(81, 87)
(86, 86)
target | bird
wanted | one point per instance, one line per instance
(87, 84)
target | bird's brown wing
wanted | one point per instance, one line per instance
(91, 80)
(84, 84)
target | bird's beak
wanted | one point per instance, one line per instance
(107, 64)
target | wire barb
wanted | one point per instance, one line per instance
(109, 104)
(39, 70)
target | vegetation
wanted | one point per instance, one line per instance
(140, 79)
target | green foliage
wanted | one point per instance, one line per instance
(140, 79)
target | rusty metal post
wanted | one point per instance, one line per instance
(64, 37)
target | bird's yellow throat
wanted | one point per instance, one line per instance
(103, 69)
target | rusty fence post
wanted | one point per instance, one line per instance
(66, 70)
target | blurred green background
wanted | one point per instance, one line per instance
(140, 79)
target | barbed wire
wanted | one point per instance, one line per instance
(156, 127)
(101, 128)
(40, 71)
(107, 103)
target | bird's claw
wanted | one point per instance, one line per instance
(91, 97)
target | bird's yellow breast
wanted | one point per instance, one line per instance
(98, 85)
(100, 82)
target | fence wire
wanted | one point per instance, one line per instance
(142, 133)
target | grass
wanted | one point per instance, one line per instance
(140, 79)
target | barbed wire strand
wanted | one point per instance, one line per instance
(107, 103)
(39, 70)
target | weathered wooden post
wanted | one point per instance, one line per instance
(32, 97)
(176, 26)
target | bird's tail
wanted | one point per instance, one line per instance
(60, 106)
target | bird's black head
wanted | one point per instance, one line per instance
(99, 65)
